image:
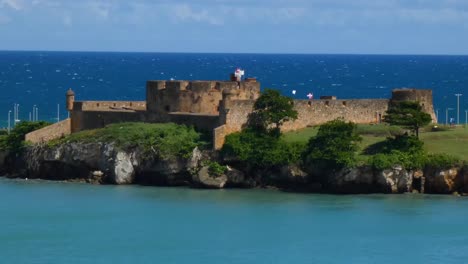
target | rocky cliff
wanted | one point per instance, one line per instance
(107, 164)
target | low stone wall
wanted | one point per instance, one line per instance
(84, 120)
(51, 132)
(109, 105)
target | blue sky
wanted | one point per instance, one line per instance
(260, 26)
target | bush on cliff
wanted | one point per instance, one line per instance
(407, 151)
(165, 141)
(334, 146)
(409, 160)
(14, 142)
(442, 161)
(261, 150)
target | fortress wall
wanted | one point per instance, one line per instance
(236, 116)
(83, 120)
(363, 111)
(316, 112)
(201, 122)
(152, 90)
(423, 96)
(109, 105)
(51, 132)
(195, 96)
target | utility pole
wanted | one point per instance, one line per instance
(16, 114)
(9, 125)
(437, 116)
(466, 118)
(34, 113)
(58, 113)
(458, 107)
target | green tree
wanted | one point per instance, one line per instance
(408, 114)
(15, 140)
(272, 109)
(261, 150)
(334, 146)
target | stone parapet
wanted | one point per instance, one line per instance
(51, 132)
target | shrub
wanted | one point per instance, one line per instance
(334, 146)
(403, 143)
(165, 141)
(215, 169)
(381, 161)
(261, 150)
(443, 161)
(15, 140)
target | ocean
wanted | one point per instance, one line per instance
(40, 79)
(50, 222)
(55, 222)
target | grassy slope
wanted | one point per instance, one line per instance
(453, 141)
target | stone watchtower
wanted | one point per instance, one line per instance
(70, 99)
(423, 96)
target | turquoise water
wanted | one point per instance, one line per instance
(46, 222)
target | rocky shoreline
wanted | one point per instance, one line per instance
(106, 164)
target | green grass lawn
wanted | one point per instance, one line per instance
(454, 141)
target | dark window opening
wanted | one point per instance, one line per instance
(167, 108)
(326, 103)
(344, 103)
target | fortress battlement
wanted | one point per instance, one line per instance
(109, 106)
(222, 107)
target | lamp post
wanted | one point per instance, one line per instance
(458, 107)
(34, 113)
(16, 114)
(446, 115)
(466, 118)
(9, 125)
(58, 113)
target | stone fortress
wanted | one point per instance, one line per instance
(220, 107)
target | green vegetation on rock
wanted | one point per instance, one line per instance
(166, 140)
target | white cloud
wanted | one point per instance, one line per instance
(13, 4)
(102, 10)
(184, 12)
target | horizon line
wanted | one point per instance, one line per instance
(238, 53)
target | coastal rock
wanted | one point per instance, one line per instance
(355, 180)
(3, 156)
(79, 161)
(395, 180)
(443, 181)
(236, 178)
(205, 180)
(124, 172)
(464, 174)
